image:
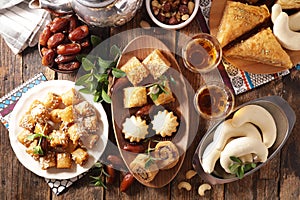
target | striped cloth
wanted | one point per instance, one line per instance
(20, 26)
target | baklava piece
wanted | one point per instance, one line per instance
(135, 129)
(80, 156)
(167, 154)
(144, 169)
(71, 97)
(135, 70)
(164, 97)
(66, 114)
(156, 63)
(165, 123)
(23, 137)
(58, 139)
(84, 109)
(135, 97)
(63, 161)
(40, 113)
(27, 122)
(48, 161)
(52, 100)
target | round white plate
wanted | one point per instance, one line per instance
(40, 92)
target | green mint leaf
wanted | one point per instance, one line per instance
(86, 91)
(235, 159)
(240, 172)
(87, 64)
(105, 97)
(82, 79)
(118, 73)
(115, 52)
(234, 168)
(38, 150)
(95, 40)
(101, 77)
(104, 64)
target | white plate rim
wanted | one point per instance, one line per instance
(58, 86)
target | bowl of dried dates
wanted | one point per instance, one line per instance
(172, 14)
(62, 41)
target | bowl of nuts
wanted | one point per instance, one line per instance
(172, 14)
(62, 41)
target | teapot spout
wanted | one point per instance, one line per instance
(59, 7)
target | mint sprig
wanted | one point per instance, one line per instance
(238, 167)
(99, 73)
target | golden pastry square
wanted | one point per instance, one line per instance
(80, 156)
(135, 70)
(165, 97)
(63, 161)
(135, 97)
(156, 63)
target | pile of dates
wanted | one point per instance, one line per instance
(61, 41)
(172, 12)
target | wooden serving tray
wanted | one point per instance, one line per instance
(216, 13)
(141, 47)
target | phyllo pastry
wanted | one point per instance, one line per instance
(238, 19)
(167, 154)
(135, 70)
(163, 98)
(156, 63)
(144, 168)
(135, 97)
(289, 4)
(80, 156)
(52, 100)
(135, 129)
(263, 47)
(165, 123)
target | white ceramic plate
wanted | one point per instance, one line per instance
(39, 92)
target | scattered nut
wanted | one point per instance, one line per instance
(191, 6)
(145, 25)
(202, 188)
(190, 174)
(184, 185)
(185, 17)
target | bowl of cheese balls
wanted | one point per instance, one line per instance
(62, 41)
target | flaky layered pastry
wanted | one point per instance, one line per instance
(135, 70)
(238, 19)
(165, 123)
(289, 4)
(143, 168)
(167, 155)
(135, 129)
(263, 47)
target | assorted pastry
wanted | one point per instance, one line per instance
(153, 119)
(58, 130)
(245, 33)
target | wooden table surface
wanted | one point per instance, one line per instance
(279, 179)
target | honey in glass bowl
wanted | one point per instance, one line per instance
(202, 53)
(214, 100)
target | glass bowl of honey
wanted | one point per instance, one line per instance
(214, 100)
(202, 53)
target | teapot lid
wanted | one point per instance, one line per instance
(96, 3)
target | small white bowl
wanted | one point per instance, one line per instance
(172, 27)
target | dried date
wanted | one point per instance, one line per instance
(48, 57)
(55, 40)
(68, 49)
(126, 182)
(45, 35)
(59, 24)
(69, 66)
(79, 33)
(64, 58)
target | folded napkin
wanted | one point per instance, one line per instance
(239, 80)
(21, 26)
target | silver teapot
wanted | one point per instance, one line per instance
(101, 13)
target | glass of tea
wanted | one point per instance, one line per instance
(214, 100)
(202, 53)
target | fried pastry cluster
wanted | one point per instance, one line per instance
(59, 130)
